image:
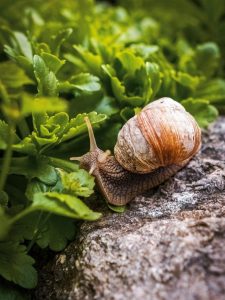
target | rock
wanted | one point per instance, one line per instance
(168, 244)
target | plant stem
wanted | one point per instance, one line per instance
(22, 214)
(63, 164)
(38, 230)
(7, 157)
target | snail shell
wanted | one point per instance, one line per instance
(162, 134)
(151, 147)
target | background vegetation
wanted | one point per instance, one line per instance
(63, 60)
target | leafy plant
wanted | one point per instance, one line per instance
(63, 60)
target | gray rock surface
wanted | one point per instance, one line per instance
(169, 244)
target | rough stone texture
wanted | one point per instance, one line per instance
(169, 244)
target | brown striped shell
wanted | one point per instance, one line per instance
(162, 134)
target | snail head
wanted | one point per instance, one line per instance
(91, 159)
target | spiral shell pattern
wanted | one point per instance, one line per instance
(162, 134)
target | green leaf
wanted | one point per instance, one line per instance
(25, 228)
(145, 51)
(92, 61)
(16, 265)
(12, 76)
(47, 230)
(52, 62)
(126, 63)
(23, 44)
(64, 205)
(10, 292)
(41, 104)
(56, 129)
(78, 183)
(127, 113)
(83, 82)
(56, 233)
(49, 130)
(47, 81)
(155, 77)
(187, 80)
(39, 119)
(4, 225)
(75, 205)
(131, 79)
(26, 65)
(59, 39)
(86, 82)
(118, 209)
(203, 112)
(26, 146)
(4, 135)
(33, 167)
(210, 53)
(107, 106)
(212, 90)
(36, 186)
(61, 197)
(19, 46)
(77, 125)
(119, 90)
(107, 135)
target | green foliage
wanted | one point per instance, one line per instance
(118, 209)
(63, 60)
(47, 81)
(16, 265)
(56, 233)
(12, 76)
(133, 81)
(9, 293)
(203, 112)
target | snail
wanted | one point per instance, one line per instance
(151, 147)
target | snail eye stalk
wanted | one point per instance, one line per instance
(77, 158)
(93, 145)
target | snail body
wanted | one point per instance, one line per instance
(151, 147)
